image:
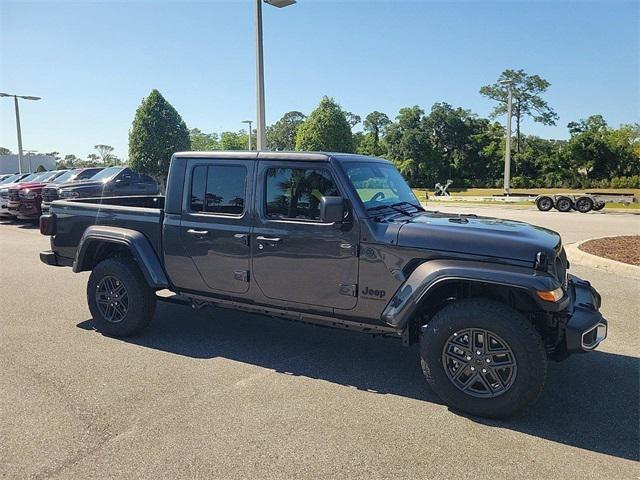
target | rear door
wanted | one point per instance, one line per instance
(215, 224)
(296, 257)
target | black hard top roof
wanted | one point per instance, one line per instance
(288, 156)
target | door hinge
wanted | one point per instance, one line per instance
(241, 275)
(350, 290)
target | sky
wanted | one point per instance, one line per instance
(93, 62)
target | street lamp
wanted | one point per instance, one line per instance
(261, 133)
(249, 122)
(15, 102)
(507, 148)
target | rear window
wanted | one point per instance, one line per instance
(218, 189)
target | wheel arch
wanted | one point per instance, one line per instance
(101, 242)
(434, 284)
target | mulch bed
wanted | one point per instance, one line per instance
(623, 249)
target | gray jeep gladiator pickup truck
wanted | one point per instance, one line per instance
(337, 240)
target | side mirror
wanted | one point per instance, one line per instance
(331, 209)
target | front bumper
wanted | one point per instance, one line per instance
(28, 209)
(585, 326)
(4, 209)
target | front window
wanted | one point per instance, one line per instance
(379, 185)
(107, 173)
(296, 192)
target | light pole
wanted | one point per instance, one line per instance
(15, 102)
(507, 147)
(261, 135)
(249, 122)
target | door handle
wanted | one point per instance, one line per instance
(243, 237)
(198, 233)
(269, 239)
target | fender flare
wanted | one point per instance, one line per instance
(134, 241)
(401, 308)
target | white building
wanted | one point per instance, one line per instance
(9, 163)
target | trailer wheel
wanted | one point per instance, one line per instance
(564, 204)
(544, 203)
(584, 204)
(598, 206)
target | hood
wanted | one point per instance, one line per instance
(72, 183)
(483, 236)
(85, 187)
(30, 185)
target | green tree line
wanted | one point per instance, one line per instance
(428, 146)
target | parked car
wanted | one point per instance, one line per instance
(111, 182)
(4, 190)
(341, 241)
(4, 176)
(24, 198)
(50, 192)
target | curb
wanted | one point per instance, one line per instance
(585, 259)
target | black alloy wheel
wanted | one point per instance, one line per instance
(112, 299)
(479, 363)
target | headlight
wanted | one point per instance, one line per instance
(28, 194)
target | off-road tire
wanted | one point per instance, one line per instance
(584, 204)
(141, 298)
(500, 319)
(544, 203)
(563, 204)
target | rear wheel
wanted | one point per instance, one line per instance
(584, 204)
(544, 203)
(564, 204)
(120, 301)
(598, 206)
(484, 358)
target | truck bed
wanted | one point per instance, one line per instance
(143, 213)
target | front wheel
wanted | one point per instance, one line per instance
(484, 358)
(119, 298)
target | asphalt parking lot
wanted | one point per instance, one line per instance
(219, 394)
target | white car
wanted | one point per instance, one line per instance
(4, 190)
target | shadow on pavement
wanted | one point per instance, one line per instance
(590, 401)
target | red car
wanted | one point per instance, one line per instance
(25, 198)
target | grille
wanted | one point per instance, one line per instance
(4, 194)
(49, 194)
(13, 195)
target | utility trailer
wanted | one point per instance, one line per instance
(582, 202)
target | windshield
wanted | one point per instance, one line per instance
(107, 173)
(10, 179)
(380, 184)
(33, 177)
(66, 176)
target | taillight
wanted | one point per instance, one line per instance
(48, 224)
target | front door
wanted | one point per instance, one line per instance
(215, 225)
(296, 257)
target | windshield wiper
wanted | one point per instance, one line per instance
(417, 207)
(396, 207)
